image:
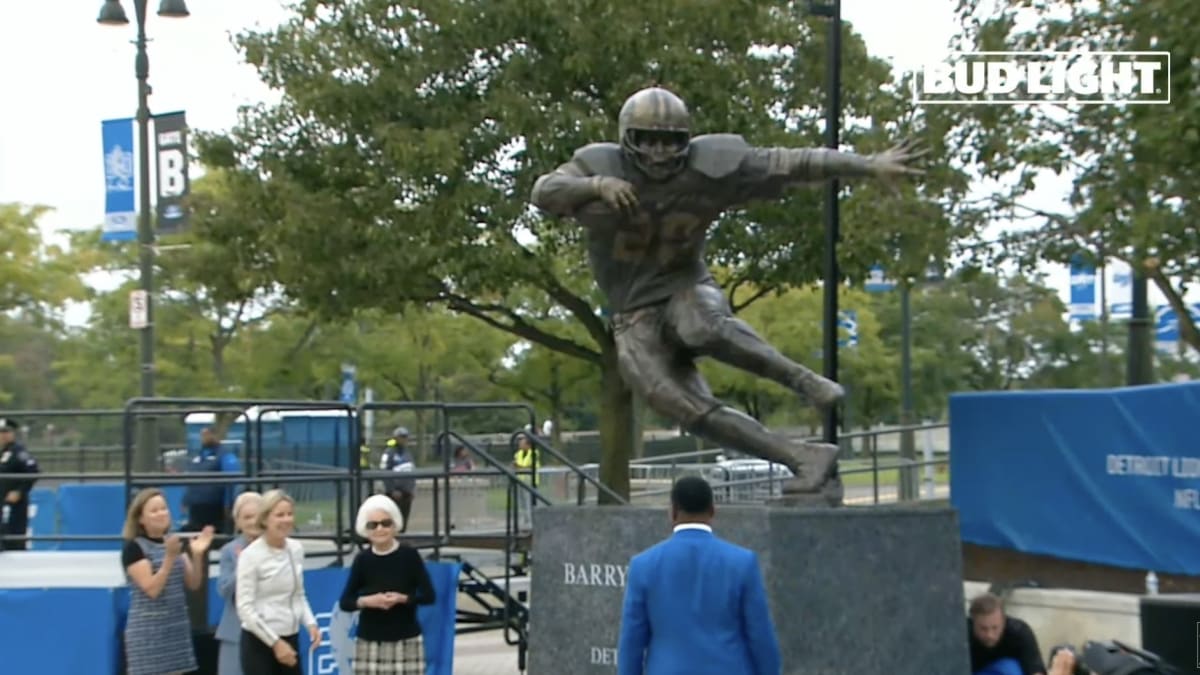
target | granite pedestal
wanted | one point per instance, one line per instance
(852, 591)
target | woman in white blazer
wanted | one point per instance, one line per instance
(271, 602)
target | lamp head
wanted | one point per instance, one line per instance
(173, 8)
(112, 14)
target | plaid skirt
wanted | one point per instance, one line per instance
(406, 657)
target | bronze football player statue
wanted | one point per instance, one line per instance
(647, 203)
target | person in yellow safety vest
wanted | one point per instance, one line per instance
(527, 458)
(364, 456)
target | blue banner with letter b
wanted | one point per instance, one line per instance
(1102, 476)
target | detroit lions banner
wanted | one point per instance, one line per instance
(1100, 476)
(120, 216)
(170, 136)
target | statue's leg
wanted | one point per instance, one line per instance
(665, 375)
(703, 321)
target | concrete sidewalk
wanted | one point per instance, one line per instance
(484, 654)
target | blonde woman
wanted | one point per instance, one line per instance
(229, 631)
(386, 583)
(271, 603)
(158, 633)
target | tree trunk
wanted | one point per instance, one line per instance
(616, 426)
(219, 343)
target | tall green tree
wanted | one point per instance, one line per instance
(561, 386)
(791, 321)
(36, 276)
(38, 281)
(984, 331)
(397, 164)
(1135, 166)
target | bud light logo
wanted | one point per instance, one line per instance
(1076, 77)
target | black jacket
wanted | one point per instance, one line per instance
(16, 467)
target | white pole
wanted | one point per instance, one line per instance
(369, 417)
(930, 487)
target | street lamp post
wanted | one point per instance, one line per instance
(1140, 359)
(833, 11)
(112, 13)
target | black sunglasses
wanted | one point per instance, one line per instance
(386, 522)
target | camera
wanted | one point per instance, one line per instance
(1079, 668)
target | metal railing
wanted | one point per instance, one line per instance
(464, 507)
(755, 481)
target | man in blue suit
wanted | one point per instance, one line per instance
(694, 604)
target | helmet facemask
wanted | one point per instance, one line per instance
(659, 153)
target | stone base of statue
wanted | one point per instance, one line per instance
(853, 591)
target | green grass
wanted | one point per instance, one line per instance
(307, 511)
(887, 477)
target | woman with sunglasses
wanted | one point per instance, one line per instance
(387, 582)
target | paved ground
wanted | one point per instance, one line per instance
(859, 495)
(484, 654)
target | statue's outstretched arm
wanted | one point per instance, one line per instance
(756, 173)
(819, 164)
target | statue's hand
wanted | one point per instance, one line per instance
(895, 162)
(618, 194)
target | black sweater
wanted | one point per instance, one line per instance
(401, 571)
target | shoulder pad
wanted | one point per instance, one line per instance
(717, 155)
(600, 159)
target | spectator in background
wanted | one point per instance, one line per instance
(396, 457)
(229, 631)
(17, 467)
(1000, 644)
(527, 460)
(462, 461)
(206, 504)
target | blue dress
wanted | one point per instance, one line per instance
(158, 632)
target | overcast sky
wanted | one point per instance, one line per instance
(64, 73)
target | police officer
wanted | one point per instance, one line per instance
(15, 461)
(206, 504)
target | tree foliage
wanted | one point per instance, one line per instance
(37, 278)
(396, 166)
(970, 332)
(1135, 173)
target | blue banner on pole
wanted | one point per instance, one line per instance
(120, 216)
(877, 281)
(1166, 322)
(848, 321)
(1119, 468)
(1083, 290)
